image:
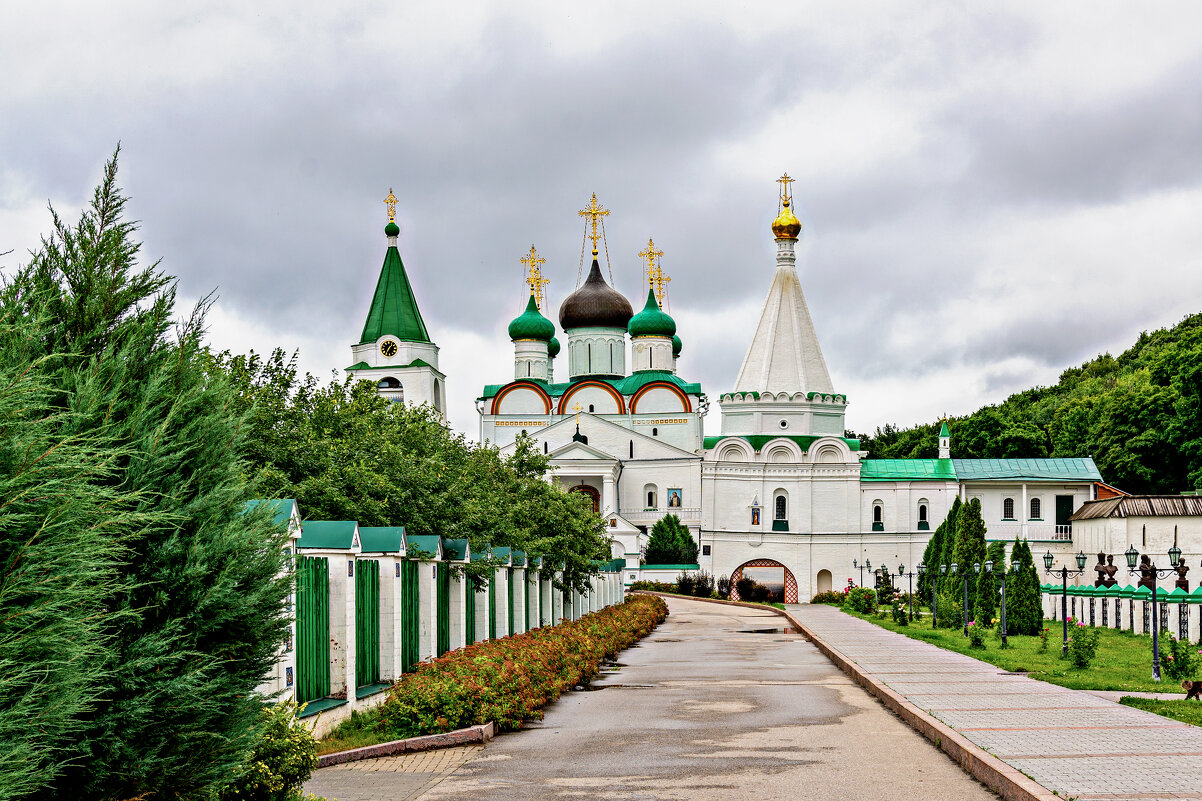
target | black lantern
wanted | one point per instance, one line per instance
(988, 565)
(867, 564)
(901, 569)
(1174, 555)
(922, 568)
(1132, 555)
(1080, 560)
(1047, 560)
(943, 569)
(954, 567)
(976, 567)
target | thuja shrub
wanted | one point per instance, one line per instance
(283, 757)
(510, 680)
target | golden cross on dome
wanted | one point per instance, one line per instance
(786, 194)
(534, 276)
(655, 273)
(390, 201)
(577, 408)
(594, 212)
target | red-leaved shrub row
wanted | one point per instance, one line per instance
(508, 681)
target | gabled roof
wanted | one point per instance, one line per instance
(907, 470)
(455, 549)
(428, 544)
(284, 508)
(1070, 469)
(393, 306)
(592, 422)
(1141, 506)
(382, 539)
(329, 534)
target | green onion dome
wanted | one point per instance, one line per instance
(675, 345)
(531, 325)
(651, 321)
(392, 229)
(553, 348)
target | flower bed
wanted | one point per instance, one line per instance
(510, 680)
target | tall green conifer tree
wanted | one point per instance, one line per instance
(930, 558)
(195, 615)
(969, 546)
(987, 583)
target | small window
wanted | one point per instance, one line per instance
(651, 500)
(1036, 512)
(631, 449)
(590, 408)
(388, 383)
(705, 550)
(1007, 508)
(782, 508)
(922, 513)
(878, 516)
(655, 432)
(545, 447)
(784, 423)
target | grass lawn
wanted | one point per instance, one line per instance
(352, 733)
(1182, 710)
(1123, 662)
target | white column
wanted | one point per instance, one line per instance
(427, 610)
(459, 602)
(608, 497)
(342, 625)
(1025, 513)
(390, 619)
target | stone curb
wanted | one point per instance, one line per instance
(1005, 780)
(472, 734)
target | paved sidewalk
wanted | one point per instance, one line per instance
(1071, 742)
(399, 778)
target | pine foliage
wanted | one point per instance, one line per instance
(970, 545)
(930, 558)
(986, 604)
(1024, 610)
(191, 588)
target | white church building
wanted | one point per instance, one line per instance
(781, 494)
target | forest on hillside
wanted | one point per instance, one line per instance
(1138, 415)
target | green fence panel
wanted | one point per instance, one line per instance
(367, 622)
(469, 612)
(509, 592)
(410, 616)
(443, 575)
(312, 629)
(492, 605)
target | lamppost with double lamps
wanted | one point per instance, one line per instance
(861, 565)
(1064, 572)
(901, 571)
(1153, 574)
(1013, 569)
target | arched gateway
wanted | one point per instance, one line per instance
(790, 583)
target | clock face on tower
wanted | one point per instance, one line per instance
(388, 348)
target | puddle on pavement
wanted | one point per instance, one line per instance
(594, 687)
(768, 631)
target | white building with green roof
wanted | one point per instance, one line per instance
(781, 495)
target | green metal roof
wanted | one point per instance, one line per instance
(758, 441)
(366, 366)
(667, 567)
(454, 549)
(907, 470)
(503, 554)
(518, 558)
(626, 386)
(1076, 469)
(336, 534)
(393, 306)
(283, 508)
(429, 544)
(382, 539)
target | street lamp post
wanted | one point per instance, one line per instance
(976, 567)
(922, 570)
(934, 616)
(861, 565)
(901, 571)
(1064, 572)
(1154, 574)
(1013, 569)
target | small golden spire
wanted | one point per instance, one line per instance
(534, 275)
(786, 225)
(594, 212)
(655, 273)
(390, 201)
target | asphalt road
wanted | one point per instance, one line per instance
(718, 703)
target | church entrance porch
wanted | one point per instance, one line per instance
(590, 493)
(769, 573)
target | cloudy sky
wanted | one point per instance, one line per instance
(990, 192)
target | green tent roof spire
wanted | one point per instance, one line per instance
(943, 432)
(393, 306)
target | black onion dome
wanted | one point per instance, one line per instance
(595, 305)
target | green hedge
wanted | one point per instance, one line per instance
(510, 680)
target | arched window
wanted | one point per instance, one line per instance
(924, 523)
(878, 516)
(1036, 511)
(1007, 508)
(438, 396)
(651, 494)
(388, 382)
(782, 507)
